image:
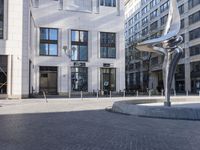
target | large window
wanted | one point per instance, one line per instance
(194, 18)
(194, 34)
(108, 45)
(79, 78)
(79, 42)
(48, 42)
(1, 18)
(109, 3)
(193, 3)
(194, 50)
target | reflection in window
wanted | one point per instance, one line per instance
(108, 45)
(48, 42)
(79, 42)
(79, 78)
(1, 18)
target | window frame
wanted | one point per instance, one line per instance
(101, 46)
(79, 43)
(49, 41)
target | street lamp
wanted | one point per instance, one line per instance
(68, 52)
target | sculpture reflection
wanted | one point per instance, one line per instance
(167, 45)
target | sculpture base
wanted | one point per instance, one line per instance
(167, 104)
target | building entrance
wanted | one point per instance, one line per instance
(48, 80)
(108, 80)
(3, 74)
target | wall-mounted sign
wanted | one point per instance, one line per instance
(78, 64)
(106, 65)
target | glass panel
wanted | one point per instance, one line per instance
(107, 2)
(103, 52)
(53, 49)
(53, 34)
(114, 3)
(43, 49)
(83, 36)
(79, 79)
(75, 52)
(75, 36)
(111, 52)
(83, 52)
(43, 34)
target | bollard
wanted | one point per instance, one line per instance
(162, 92)
(81, 95)
(97, 94)
(174, 92)
(110, 94)
(199, 93)
(69, 94)
(124, 95)
(137, 93)
(187, 93)
(149, 93)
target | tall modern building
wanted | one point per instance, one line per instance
(146, 19)
(61, 46)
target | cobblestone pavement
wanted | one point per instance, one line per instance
(93, 130)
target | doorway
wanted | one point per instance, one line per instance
(108, 80)
(48, 80)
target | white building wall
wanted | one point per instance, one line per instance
(13, 45)
(102, 19)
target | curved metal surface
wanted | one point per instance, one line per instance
(167, 45)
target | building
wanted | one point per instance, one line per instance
(145, 19)
(64, 46)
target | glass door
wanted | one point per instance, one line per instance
(108, 80)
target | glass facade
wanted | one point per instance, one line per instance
(1, 18)
(79, 78)
(79, 43)
(48, 42)
(107, 45)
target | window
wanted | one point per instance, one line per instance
(109, 3)
(137, 16)
(154, 14)
(1, 18)
(194, 34)
(194, 50)
(48, 42)
(153, 3)
(144, 21)
(79, 78)
(193, 3)
(108, 79)
(194, 18)
(108, 45)
(164, 6)
(79, 43)
(145, 10)
(145, 31)
(181, 9)
(163, 20)
(182, 23)
(154, 25)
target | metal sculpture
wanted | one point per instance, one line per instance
(167, 45)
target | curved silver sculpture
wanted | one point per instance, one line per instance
(167, 45)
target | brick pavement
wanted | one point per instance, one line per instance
(85, 129)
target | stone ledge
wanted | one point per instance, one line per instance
(185, 113)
